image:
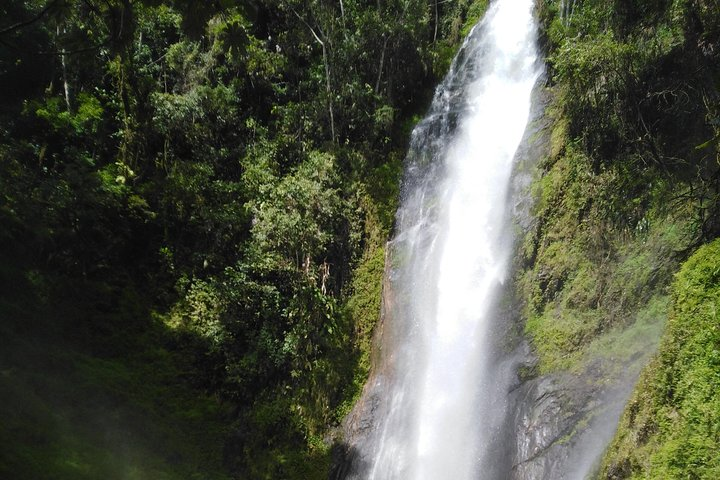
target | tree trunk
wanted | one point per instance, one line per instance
(63, 63)
(326, 63)
(436, 22)
(381, 65)
(329, 90)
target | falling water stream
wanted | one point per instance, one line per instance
(444, 395)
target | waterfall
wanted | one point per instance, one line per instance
(441, 395)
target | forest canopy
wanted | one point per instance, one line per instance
(199, 181)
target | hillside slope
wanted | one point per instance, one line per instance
(628, 191)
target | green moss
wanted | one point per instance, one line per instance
(616, 212)
(363, 307)
(597, 258)
(671, 427)
(559, 336)
(559, 134)
(364, 303)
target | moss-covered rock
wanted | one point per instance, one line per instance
(671, 427)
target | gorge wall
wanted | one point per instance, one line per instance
(623, 162)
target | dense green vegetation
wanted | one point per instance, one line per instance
(195, 196)
(671, 428)
(194, 199)
(630, 185)
(630, 189)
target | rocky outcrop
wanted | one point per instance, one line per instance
(562, 424)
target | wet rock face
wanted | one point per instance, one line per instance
(563, 422)
(360, 425)
(552, 426)
(545, 423)
(539, 424)
(555, 431)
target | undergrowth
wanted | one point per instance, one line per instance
(122, 410)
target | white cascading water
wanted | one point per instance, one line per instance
(443, 394)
